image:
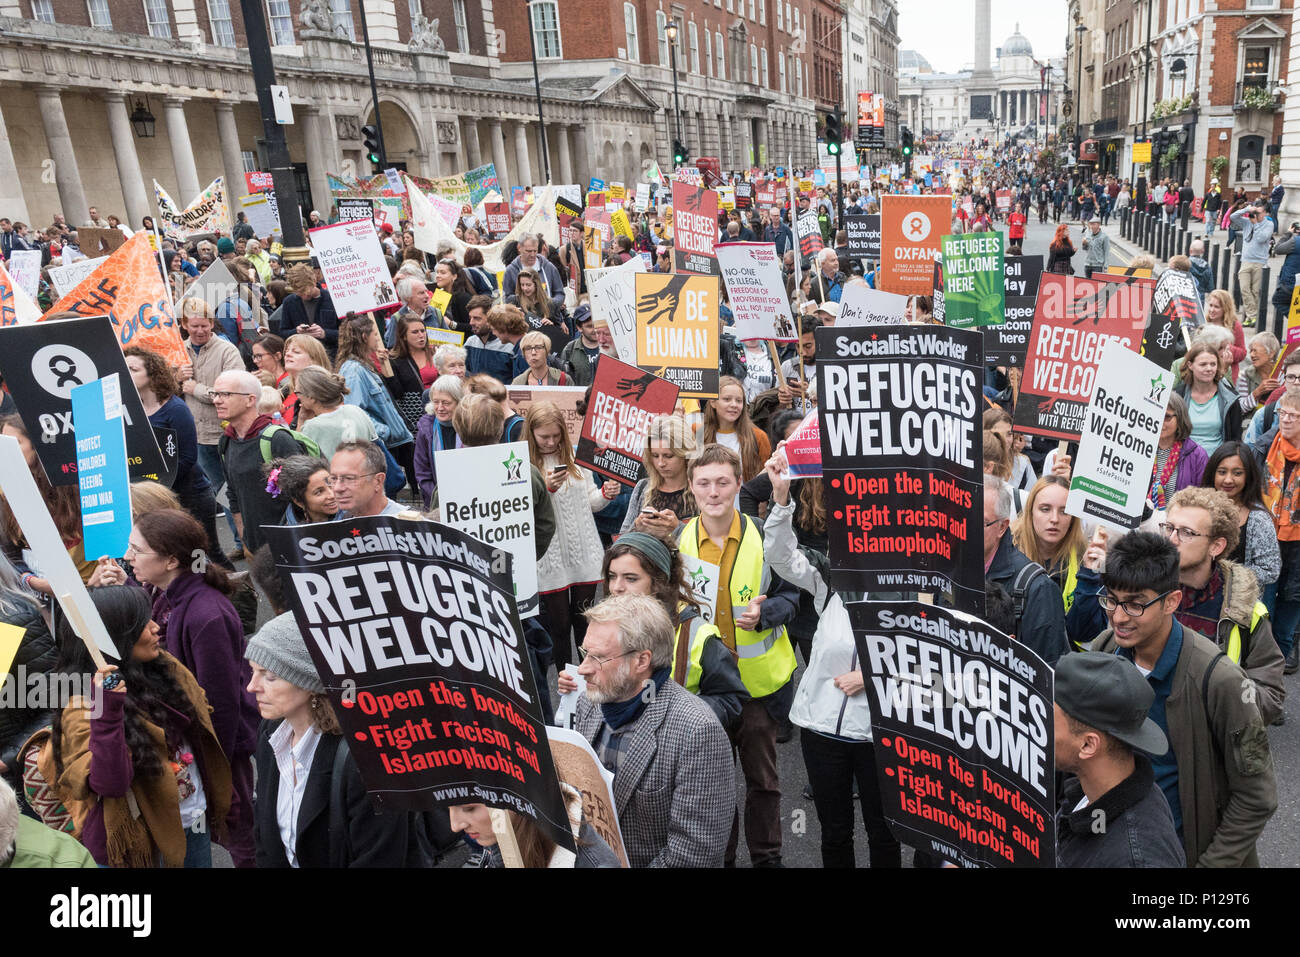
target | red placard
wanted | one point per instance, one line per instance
(1073, 318)
(258, 181)
(623, 402)
(695, 230)
(803, 449)
(498, 217)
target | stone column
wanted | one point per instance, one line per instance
(313, 134)
(231, 160)
(561, 136)
(581, 153)
(128, 163)
(67, 178)
(11, 187)
(498, 142)
(178, 132)
(473, 158)
(523, 170)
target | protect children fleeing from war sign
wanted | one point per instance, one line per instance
(1112, 473)
(413, 629)
(902, 458)
(677, 331)
(1073, 320)
(963, 723)
(624, 401)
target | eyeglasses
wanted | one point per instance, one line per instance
(1186, 534)
(1134, 609)
(336, 480)
(1287, 416)
(132, 550)
(223, 396)
(1291, 378)
(994, 522)
(584, 654)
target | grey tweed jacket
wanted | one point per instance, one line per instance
(675, 788)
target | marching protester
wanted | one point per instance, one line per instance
(436, 431)
(1180, 462)
(1218, 773)
(323, 414)
(309, 309)
(535, 848)
(674, 786)
(303, 483)
(300, 352)
(1235, 472)
(1046, 535)
(1255, 383)
(662, 500)
(727, 423)
(1279, 456)
(413, 370)
(358, 475)
(362, 361)
(35, 656)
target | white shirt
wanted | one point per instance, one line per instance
(294, 764)
(194, 807)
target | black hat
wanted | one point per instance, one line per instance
(1108, 693)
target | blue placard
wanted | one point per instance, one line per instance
(596, 185)
(102, 477)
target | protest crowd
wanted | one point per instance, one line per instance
(660, 369)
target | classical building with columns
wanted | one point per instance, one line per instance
(78, 78)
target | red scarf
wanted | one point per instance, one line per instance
(1157, 493)
(259, 423)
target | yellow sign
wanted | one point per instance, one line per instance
(591, 254)
(1142, 152)
(1293, 318)
(440, 300)
(617, 191)
(677, 330)
(439, 337)
(11, 636)
(1140, 273)
(621, 225)
(726, 197)
(805, 186)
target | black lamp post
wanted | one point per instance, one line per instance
(670, 32)
(1079, 31)
(537, 85)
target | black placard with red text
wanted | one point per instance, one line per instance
(902, 458)
(414, 631)
(622, 403)
(963, 725)
(1005, 343)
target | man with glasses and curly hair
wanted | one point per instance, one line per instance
(1218, 773)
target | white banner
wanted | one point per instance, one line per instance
(206, 213)
(430, 229)
(64, 279)
(25, 267)
(860, 305)
(1117, 448)
(487, 492)
(756, 292)
(613, 298)
(352, 261)
(263, 214)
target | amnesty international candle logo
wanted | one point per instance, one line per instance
(677, 331)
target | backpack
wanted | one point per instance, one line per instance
(1020, 589)
(264, 442)
(41, 795)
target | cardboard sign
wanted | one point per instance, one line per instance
(803, 449)
(612, 293)
(577, 765)
(621, 225)
(617, 191)
(353, 209)
(102, 476)
(1006, 343)
(744, 195)
(703, 578)
(1293, 319)
(809, 234)
(864, 236)
(860, 305)
(413, 631)
(592, 257)
(642, 200)
(973, 279)
(25, 269)
(567, 211)
(624, 401)
(353, 264)
(49, 556)
(563, 397)
(756, 291)
(42, 363)
(902, 458)
(1117, 449)
(498, 217)
(263, 213)
(66, 278)
(16, 306)
(595, 185)
(966, 772)
(206, 213)
(911, 228)
(96, 241)
(1002, 198)
(128, 286)
(726, 197)
(695, 230)
(677, 331)
(1073, 318)
(487, 493)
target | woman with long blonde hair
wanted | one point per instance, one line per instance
(567, 574)
(1045, 534)
(1221, 311)
(727, 422)
(662, 500)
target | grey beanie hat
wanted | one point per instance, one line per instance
(278, 647)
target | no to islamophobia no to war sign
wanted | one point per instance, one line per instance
(963, 723)
(413, 630)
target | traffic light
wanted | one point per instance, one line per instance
(680, 152)
(905, 137)
(370, 138)
(834, 133)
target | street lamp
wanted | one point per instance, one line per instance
(537, 86)
(1079, 31)
(670, 32)
(142, 120)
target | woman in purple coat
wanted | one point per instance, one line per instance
(1180, 462)
(203, 632)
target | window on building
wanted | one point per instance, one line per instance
(416, 9)
(780, 16)
(43, 10)
(661, 25)
(730, 6)
(100, 18)
(1254, 69)
(546, 29)
(248, 159)
(753, 10)
(708, 49)
(753, 64)
(281, 22)
(1250, 159)
(342, 10)
(796, 17)
(462, 25)
(766, 83)
(722, 60)
(223, 32)
(694, 41)
(780, 67)
(156, 17)
(762, 12)
(629, 32)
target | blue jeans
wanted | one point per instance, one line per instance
(210, 462)
(1285, 615)
(198, 848)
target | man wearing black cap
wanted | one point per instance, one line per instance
(1112, 813)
